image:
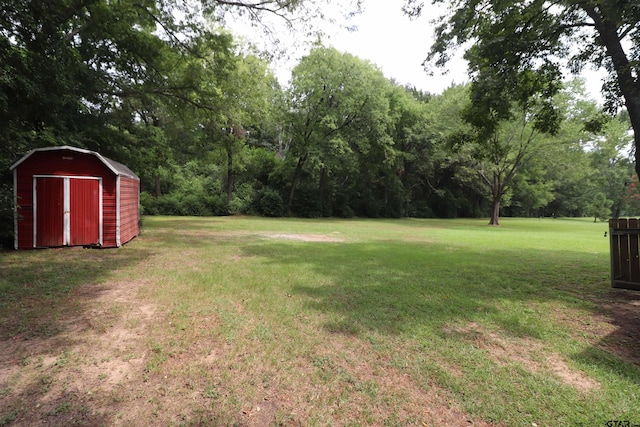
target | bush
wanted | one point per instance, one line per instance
(183, 204)
(6, 217)
(420, 209)
(168, 204)
(341, 206)
(148, 204)
(242, 201)
(306, 202)
(192, 205)
(217, 204)
(270, 203)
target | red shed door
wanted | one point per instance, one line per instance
(84, 212)
(49, 212)
(67, 211)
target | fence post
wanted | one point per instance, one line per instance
(624, 238)
(634, 267)
(614, 242)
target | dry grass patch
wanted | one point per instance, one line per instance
(529, 353)
(305, 237)
(75, 377)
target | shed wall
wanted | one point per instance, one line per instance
(129, 209)
(109, 217)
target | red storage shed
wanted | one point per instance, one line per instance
(67, 196)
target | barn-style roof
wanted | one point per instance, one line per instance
(115, 167)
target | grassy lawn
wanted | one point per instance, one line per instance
(288, 322)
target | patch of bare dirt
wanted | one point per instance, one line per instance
(530, 354)
(344, 379)
(619, 324)
(71, 378)
(614, 325)
(305, 237)
(261, 414)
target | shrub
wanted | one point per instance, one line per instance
(168, 204)
(192, 205)
(242, 201)
(148, 204)
(6, 217)
(217, 204)
(270, 203)
(306, 202)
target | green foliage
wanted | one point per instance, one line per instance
(191, 190)
(6, 216)
(202, 120)
(147, 204)
(179, 204)
(307, 203)
(342, 207)
(531, 191)
(243, 200)
(270, 203)
(338, 116)
(516, 51)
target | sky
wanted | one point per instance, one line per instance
(396, 44)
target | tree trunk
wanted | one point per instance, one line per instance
(495, 215)
(157, 182)
(230, 175)
(294, 181)
(497, 189)
(324, 193)
(606, 26)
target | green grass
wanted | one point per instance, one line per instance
(357, 331)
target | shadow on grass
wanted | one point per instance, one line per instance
(41, 309)
(417, 289)
(395, 286)
(621, 308)
(35, 286)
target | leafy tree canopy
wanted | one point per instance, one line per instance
(67, 66)
(517, 50)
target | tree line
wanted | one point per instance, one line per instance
(203, 121)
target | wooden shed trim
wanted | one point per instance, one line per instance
(15, 210)
(118, 244)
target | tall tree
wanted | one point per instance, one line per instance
(455, 187)
(584, 164)
(337, 104)
(411, 129)
(248, 102)
(496, 156)
(509, 39)
(66, 65)
(504, 154)
(611, 163)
